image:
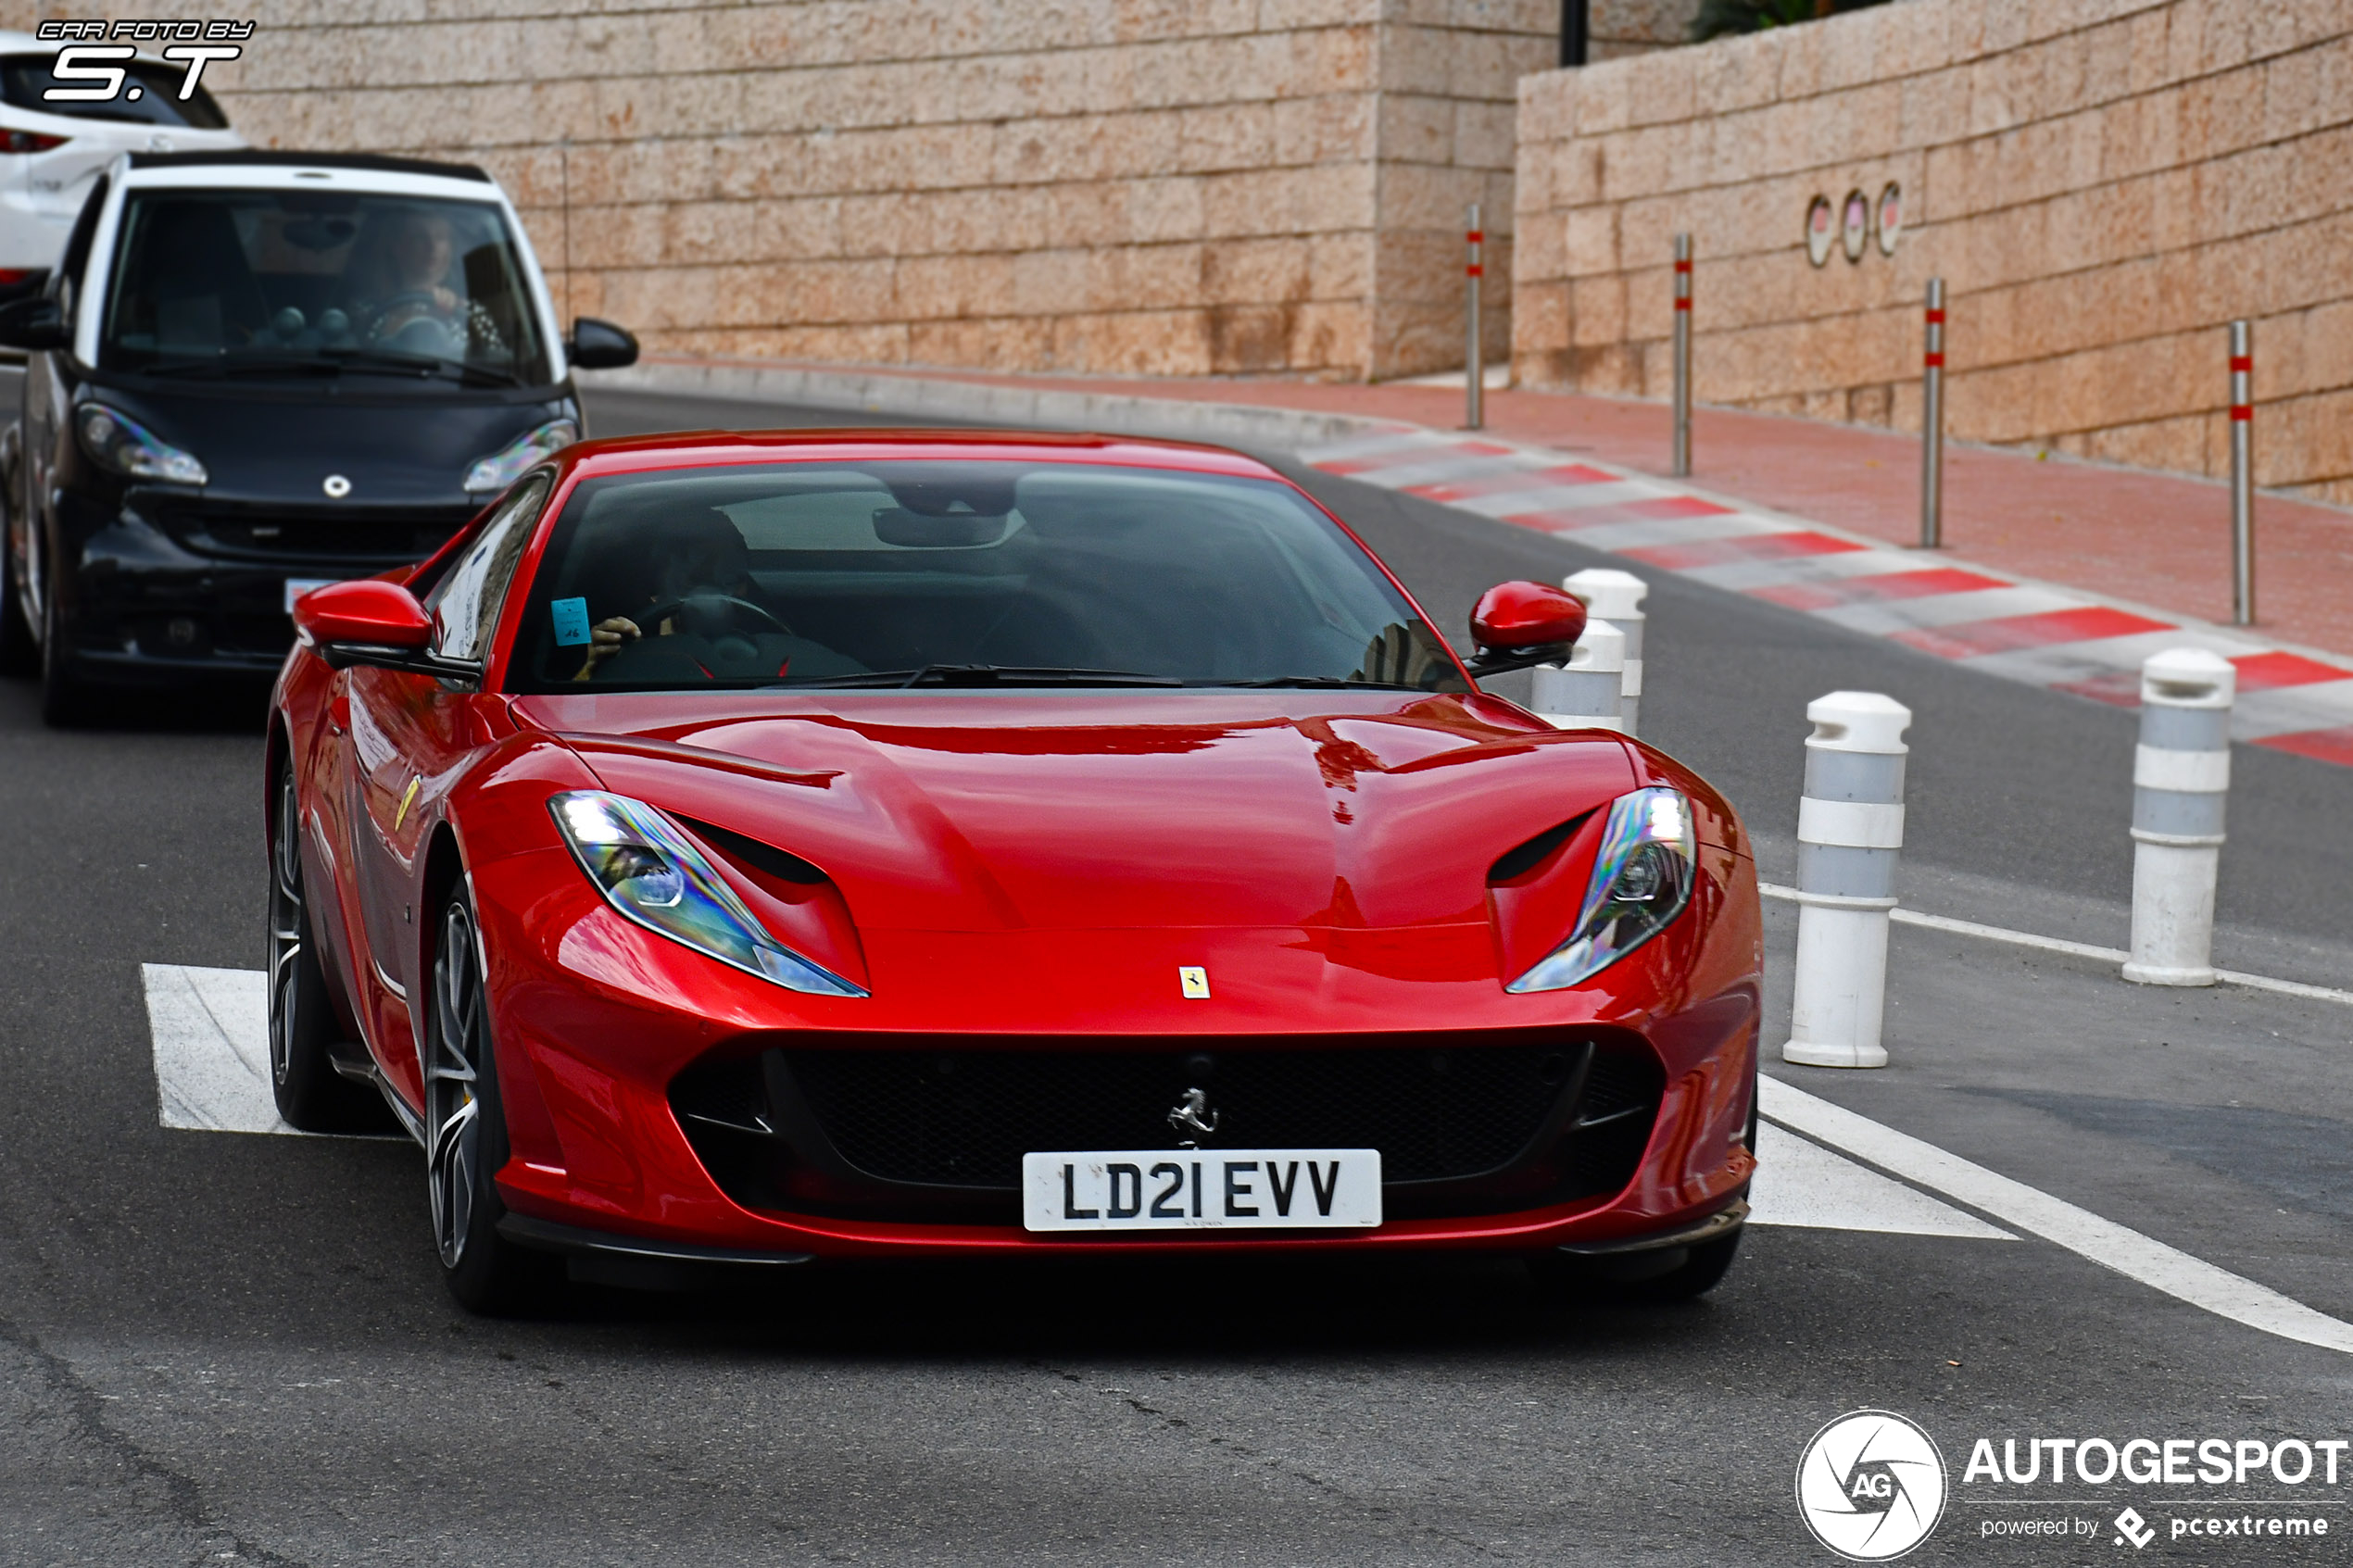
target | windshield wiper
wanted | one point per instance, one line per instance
(1304, 681)
(989, 675)
(334, 363)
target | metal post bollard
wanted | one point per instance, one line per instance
(2242, 473)
(1475, 360)
(1682, 453)
(1850, 827)
(1583, 694)
(1616, 597)
(1933, 421)
(2181, 776)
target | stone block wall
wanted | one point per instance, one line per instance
(1177, 187)
(2103, 184)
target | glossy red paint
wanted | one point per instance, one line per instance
(1512, 616)
(1325, 855)
(368, 610)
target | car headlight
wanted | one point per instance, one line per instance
(503, 467)
(648, 870)
(1642, 880)
(118, 443)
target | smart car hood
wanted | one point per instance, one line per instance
(999, 812)
(397, 444)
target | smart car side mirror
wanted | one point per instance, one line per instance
(1517, 625)
(600, 345)
(35, 324)
(375, 623)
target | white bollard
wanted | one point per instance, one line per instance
(1616, 597)
(2181, 776)
(1583, 694)
(1850, 827)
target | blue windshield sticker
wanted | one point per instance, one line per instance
(571, 622)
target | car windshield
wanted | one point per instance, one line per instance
(967, 573)
(25, 81)
(302, 282)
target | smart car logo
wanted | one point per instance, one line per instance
(1870, 1485)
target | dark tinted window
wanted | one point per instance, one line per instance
(309, 282)
(24, 78)
(1004, 573)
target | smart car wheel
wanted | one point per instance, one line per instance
(19, 653)
(303, 1028)
(466, 1133)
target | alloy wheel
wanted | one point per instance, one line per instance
(287, 926)
(460, 1037)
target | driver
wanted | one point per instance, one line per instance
(691, 556)
(410, 272)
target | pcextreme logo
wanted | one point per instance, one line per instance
(1870, 1485)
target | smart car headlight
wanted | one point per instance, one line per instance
(120, 443)
(505, 466)
(648, 870)
(1642, 880)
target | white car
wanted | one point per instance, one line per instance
(51, 152)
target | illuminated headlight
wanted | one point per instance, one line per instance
(120, 444)
(648, 870)
(503, 467)
(1642, 880)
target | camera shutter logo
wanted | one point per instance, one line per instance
(1870, 1485)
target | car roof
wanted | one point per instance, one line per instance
(717, 449)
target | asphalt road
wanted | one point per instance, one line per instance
(221, 1348)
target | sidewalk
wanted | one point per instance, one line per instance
(1819, 518)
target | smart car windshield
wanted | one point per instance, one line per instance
(926, 573)
(301, 283)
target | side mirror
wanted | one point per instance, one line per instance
(34, 325)
(376, 624)
(600, 345)
(1518, 625)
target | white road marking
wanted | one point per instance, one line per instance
(2079, 949)
(1803, 1183)
(2105, 1242)
(211, 1031)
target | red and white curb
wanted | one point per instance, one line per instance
(2061, 638)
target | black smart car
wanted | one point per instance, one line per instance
(254, 373)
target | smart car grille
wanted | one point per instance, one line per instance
(287, 534)
(1470, 1128)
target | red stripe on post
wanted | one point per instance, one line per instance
(1934, 361)
(1475, 270)
(2241, 411)
(2242, 362)
(1682, 265)
(1682, 305)
(1936, 318)
(1477, 236)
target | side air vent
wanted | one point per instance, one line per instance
(1528, 855)
(780, 864)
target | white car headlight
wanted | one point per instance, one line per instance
(120, 444)
(1642, 880)
(648, 870)
(503, 467)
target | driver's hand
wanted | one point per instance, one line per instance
(445, 298)
(605, 639)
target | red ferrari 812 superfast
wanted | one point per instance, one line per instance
(743, 849)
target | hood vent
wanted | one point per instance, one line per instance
(782, 864)
(1528, 856)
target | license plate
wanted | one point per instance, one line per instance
(297, 586)
(1158, 1189)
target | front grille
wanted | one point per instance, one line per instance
(283, 534)
(1463, 1126)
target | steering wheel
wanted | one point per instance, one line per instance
(654, 615)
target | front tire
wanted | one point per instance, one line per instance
(303, 1027)
(19, 655)
(466, 1133)
(65, 701)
